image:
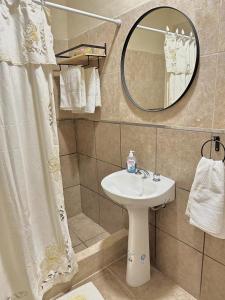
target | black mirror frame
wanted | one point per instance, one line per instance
(124, 85)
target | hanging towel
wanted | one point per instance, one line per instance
(93, 95)
(98, 100)
(206, 206)
(72, 89)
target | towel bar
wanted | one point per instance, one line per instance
(218, 143)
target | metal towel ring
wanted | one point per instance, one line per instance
(217, 149)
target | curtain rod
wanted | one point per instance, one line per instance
(162, 31)
(77, 11)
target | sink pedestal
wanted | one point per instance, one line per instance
(138, 261)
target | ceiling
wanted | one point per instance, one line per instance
(77, 24)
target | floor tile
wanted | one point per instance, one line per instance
(158, 288)
(84, 227)
(109, 286)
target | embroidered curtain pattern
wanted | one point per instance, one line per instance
(35, 247)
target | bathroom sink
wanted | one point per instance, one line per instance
(134, 190)
(137, 193)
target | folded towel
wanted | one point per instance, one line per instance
(206, 205)
(72, 89)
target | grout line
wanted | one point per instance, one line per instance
(102, 196)
(215, 260)
(97, 159)
(179, 128)
(68, 187)
(68, 154)
(71, 186)
(201, 277)
(84, 242)
(177, 239)
(97, 171)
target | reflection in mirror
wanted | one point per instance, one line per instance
(159, 59)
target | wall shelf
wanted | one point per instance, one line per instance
(82, 59)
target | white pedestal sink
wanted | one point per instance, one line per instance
(137, 194)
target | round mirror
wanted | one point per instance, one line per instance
(159, 59)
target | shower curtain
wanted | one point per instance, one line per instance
(35, 247)
(180, 57)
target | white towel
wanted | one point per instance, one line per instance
(72, 89)
(93, 95)
(98, 100)
(206, 206)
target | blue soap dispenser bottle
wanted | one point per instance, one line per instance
(131, 162)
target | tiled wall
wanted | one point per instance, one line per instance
(168, 142)
(68, 159)
(101, 152)
(150, 91)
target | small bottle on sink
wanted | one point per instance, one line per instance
(131, 162)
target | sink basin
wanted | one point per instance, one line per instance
(137, 194)
(131, 189)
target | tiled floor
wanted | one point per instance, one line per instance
(112, 285)
(85, 232)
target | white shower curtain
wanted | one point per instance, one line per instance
(180, 57)
(35, 247)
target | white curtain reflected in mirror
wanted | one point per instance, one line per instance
(159, 59)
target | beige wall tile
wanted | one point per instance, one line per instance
(215, 248)
(143, 141)
(222, 26)
(110, 94)
(72, 200)
(179, 262)
(70, 172)
(111, 215)
(213, 287)
(178, 153)
(108, 142)
(219, 114)
(85, 137)
(116, 251)
(104, 169)
(88, 172)
(94, 263)
(90, 203)
(67, 138)
(172, 220)
(205, 15)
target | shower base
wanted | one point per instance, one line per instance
(84, 232)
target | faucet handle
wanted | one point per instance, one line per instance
(156, 177)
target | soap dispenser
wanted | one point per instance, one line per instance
(131, 162)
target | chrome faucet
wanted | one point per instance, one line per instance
(144, 172)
